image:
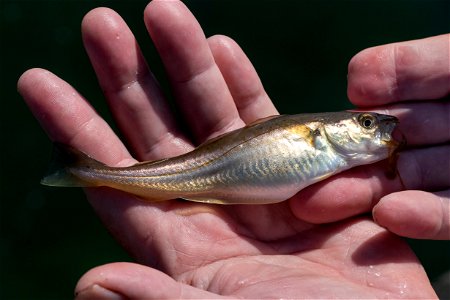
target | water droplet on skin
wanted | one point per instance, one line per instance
(403, 288)
(370, 270)
(372, 276)
(241, 282)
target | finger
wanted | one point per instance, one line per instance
(415, 214)
(339, 197)
(409, 70)
(359, 189)
(422, 123)
(133, 281)
(67, 118)
(425, 169)
(243, 82)
(131, 90)
(198, 85)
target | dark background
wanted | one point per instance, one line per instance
(50, 237)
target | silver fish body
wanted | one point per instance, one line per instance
(266, 162)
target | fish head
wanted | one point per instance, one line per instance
(362, 136)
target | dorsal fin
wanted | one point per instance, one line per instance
(256, 122)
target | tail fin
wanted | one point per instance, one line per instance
(65, 158)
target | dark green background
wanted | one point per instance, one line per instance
(50, 237)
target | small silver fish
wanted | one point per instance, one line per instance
(265, 162)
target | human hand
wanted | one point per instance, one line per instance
(208, 251)
(407, 80)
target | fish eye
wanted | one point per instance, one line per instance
(367, 121)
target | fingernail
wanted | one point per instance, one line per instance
(96, 291)
(374, 216)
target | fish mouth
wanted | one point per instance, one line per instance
(389, 124)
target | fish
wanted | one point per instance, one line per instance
(265, 162)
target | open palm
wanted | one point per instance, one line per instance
(207, 250)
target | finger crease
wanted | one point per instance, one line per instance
(160, 142)
(140, 79)
(229, 125)
(248, 99)
(193, 75)
(80, 129)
